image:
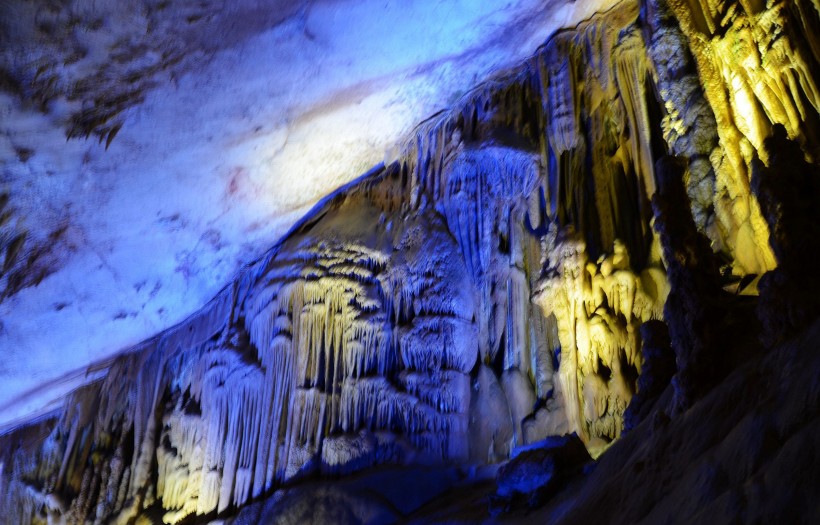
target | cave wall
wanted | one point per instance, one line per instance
(482, 291)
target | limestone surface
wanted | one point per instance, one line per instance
(501, 279)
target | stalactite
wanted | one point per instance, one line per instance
(758, 69)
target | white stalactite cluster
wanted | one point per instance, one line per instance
(352, 357)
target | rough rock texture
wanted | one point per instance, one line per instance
(656, 373)
(746, 452)
(484, 291)
(788, 190)
(534, 473)
(696, 308)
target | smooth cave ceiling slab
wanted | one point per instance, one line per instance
(149, 150)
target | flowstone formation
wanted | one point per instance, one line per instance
(486, 290)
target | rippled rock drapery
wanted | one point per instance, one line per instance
(483, 291)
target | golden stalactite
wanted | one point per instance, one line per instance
(755, 74)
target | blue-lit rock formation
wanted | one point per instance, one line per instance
(484, 290)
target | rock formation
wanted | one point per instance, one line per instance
(485, 290)
(788, 189)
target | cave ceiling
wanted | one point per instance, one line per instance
(149, 150)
